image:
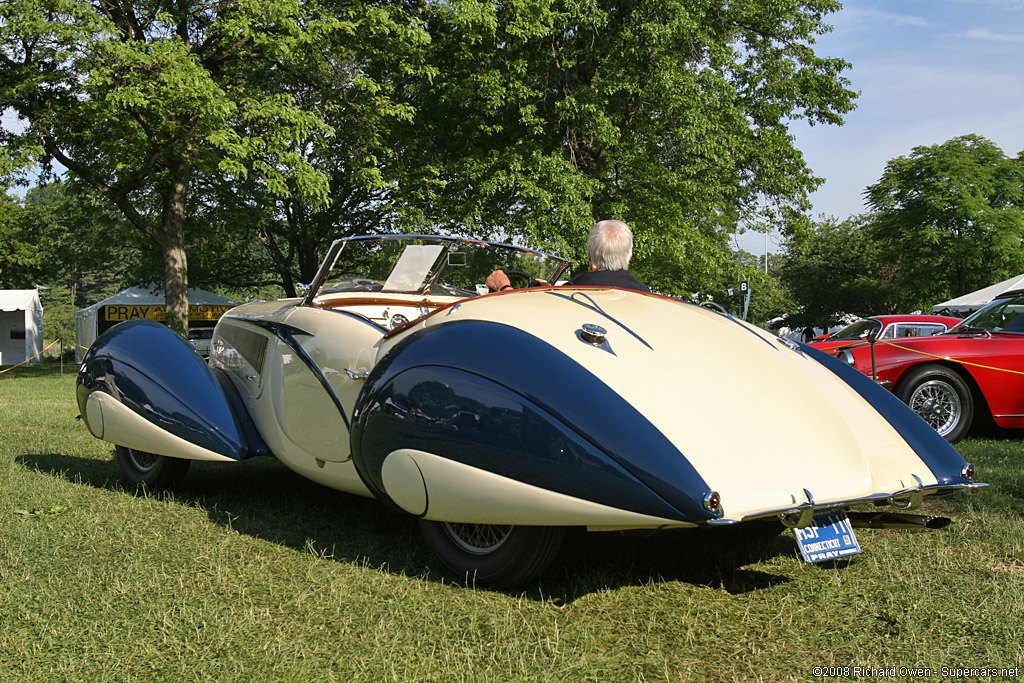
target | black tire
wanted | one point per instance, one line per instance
(941, 397)
(154, 472)
(491, 554)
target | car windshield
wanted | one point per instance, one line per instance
(417, 264)
(858, 330)
(1002, 315)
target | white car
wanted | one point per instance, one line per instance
(500, 420)
(200, 338)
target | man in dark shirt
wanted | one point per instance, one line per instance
(609, 248)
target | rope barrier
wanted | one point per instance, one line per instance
(951, 360)
(30, 358)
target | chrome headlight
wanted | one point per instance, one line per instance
(225, 356)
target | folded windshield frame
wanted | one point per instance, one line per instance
(420, 265)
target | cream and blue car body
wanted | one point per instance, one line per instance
(501, 420)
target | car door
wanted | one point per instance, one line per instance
(996, 363)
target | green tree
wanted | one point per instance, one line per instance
(670, 114)
(279, 239)
(20, 260)
(768, 296)
(835, 268)
(951, 216)
(72, 245)
(140, 100)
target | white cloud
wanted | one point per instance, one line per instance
(985, 34)
(859, 17)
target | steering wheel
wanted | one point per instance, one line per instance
(367, 284)
(530, 280)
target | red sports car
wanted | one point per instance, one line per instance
(974, 369)
(887, 327)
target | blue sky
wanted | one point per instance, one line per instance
(927, 71)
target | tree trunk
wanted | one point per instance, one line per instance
(171, 242)
(266, 238)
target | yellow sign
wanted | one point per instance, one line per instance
(120, 313)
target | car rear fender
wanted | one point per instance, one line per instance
(498, 399)
(941, 458)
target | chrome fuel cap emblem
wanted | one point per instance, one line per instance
(593, 334)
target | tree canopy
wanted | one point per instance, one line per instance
(141, 100)
(950, 217)
(835, 268)
(288, 122)
(672, 115)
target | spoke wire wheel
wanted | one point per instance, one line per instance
(154, 472)
(498, 555)
(143, 461)
(478, 539)
(939, 404)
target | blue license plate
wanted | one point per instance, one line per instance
(829, 537)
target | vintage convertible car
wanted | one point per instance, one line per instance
(886, 327)
(502, 419)
(975, 369)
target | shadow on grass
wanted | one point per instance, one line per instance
(263, 499)
(715, 558)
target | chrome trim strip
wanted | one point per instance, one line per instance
(592, 305)
(361, 318)
(737, 321)
(287, 333)
(715, 305)
(791, 345)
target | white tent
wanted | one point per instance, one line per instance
(21, 326)
(141, 302)
(969, 303)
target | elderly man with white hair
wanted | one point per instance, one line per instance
(609, 248)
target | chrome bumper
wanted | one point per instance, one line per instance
(800, 516)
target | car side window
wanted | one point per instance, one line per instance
(905, 330)
(1016, 324)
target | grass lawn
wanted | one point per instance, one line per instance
(250, 573)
